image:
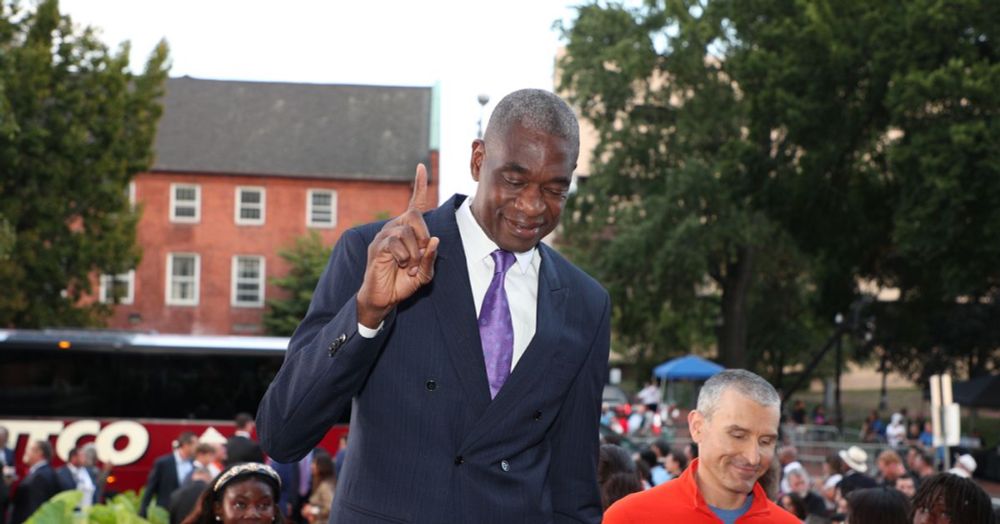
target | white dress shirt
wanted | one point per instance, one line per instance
(84, 484)
(521, 282)
(184, 467)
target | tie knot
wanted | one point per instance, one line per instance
(502, 260)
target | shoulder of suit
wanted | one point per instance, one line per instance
(568, 270)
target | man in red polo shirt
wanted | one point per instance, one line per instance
(736, 428)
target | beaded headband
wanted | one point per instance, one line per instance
(249, 467)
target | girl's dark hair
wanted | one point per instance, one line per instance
(204, 510)
(324, 467)
(835, 462)
(617, 474)
(964, 500)
(877, 506)
(679, 458)
(798, 505)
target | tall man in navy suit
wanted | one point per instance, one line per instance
(473, 356)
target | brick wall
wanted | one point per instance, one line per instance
(216, 238)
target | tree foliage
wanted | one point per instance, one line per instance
(307, 259)
(75, 126)
(758, 159)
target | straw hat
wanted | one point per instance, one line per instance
(855, 458)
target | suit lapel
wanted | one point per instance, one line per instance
(534, 364)
(451, 295)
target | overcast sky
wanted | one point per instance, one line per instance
(468, 47)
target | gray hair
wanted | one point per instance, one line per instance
(798, 472)
(538, 110)
(745, 382)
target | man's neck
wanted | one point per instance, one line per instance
(715, 497)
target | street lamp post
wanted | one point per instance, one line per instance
(483, 100)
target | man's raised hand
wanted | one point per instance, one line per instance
(400, 259)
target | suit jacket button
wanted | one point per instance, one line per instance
(537, 415)
(342, 338)
(459, 460)
(504, 465)
(431, 385)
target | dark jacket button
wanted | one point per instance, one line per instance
(459, 460)
(431, 385)
(537, 415)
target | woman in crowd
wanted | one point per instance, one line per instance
(617, 474)
(793, 503)
(324, 485)
(832, 475)
(246, 492)
(944, 497)
(877, 506)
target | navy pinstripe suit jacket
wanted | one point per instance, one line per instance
(427, 442)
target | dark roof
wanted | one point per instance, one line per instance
(316, 130)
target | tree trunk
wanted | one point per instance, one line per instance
(733, 332)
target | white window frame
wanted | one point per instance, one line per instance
(170, 300)
(197, 204)
(239, 205)
(235, 281)
(333, 208)
(106, 285)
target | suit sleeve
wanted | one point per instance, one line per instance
(575, 436)
(327, 361)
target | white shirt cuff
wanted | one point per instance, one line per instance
(367, 332)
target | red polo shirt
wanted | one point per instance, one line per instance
(678, 500)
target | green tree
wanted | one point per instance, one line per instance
(307, 259)
(75, 126)
(758, 159)
(671, 219)
(945, 258)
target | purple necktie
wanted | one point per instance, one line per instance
(495, 327)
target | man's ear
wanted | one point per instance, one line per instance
(478, 155)
(696, 422)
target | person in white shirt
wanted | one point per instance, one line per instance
(74, 475)
(650, 395)
(895, 432)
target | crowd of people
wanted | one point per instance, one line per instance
(905, 484)
(196, 482)
(80, 472)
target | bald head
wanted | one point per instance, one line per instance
(537, 110)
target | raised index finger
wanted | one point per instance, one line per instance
(419, 199)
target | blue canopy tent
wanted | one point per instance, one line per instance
(690, 367)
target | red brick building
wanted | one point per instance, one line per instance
(244, 168)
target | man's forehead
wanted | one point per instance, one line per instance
(736, 408)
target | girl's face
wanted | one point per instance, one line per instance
(247, 501)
